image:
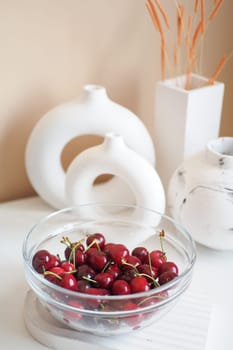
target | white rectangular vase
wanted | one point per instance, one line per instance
(184, 120)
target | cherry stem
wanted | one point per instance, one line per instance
(66, 241)
(53, 274)
(106, 266)
(95, 241)
(150, 264)
(161, 236)
(73, 249)
(151, 298)
(123, 262)
(89, 279)
(156, 284)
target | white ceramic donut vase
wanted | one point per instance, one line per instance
(113, 156)
(200, 195)
(93, 114)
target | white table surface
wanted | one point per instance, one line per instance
(213, 277)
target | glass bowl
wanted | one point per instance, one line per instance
(105, 315)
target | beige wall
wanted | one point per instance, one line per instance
(50, 48)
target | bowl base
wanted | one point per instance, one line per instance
(55, 335)
(52, 333)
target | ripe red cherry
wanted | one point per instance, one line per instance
(85, 271)
(67, 266)
(118, 253)
(97, 260)
(79, 258)
(114, 270)
(83, 285)
(107, 247)
(91, 250)
(53, 262)
(97, 239)
(104, 279)
(73, 315)
(139, 284)
(41, 260)
(148, 270)
(168, 266)
(141, 253)
(157, 258)
(54, 274)
(134, 320)
(70, 250)
(68, 281)
(58, 270)
(121, 287)
(127, 275)
(167, 277)
(131, 263)
(94, 303)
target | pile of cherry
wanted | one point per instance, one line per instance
(96, 267)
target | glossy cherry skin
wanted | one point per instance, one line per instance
(114, 270)
(118, 253)
(67, 266)
(83, 285)
(108, 247)
(95, 303)
(149, 271)
(96, 240)
(73, 315)
(97, 260)
(68, 281)
(79, 258)
(166, 277)
(157, 258)
(168, 266)
(53, 262)
(85, 271)
(104, 280)
(141, 253)
(120, 287)
(69, 251)
(54, 274)
(41, 260)
(139, 284)
(127, 275)
(133, 321)
(130, 263)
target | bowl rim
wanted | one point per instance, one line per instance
(150, 293)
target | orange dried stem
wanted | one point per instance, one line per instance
(163, 60)
(157, 23)
(216, 9)
(217, 70)
(189, 26)
(175, 55)
(196, 6)
(202, 16)
(152, 16)
(195, 37)
(189, 58)
(188, 78)
(155, 17)
(180, 23)
(163, 12)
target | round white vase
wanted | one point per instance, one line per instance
(115, 157)
(93, 114)
(200, 195)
